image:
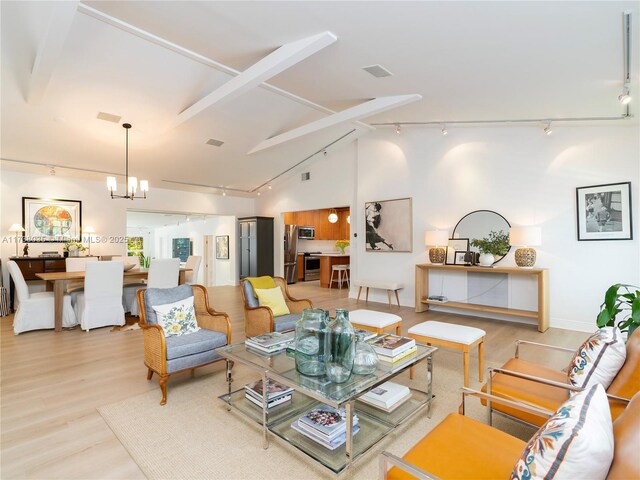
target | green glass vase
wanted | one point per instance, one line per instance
(339, 347)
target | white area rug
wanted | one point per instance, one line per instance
(194, 436)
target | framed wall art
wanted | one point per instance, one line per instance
(456, 245)
(389, 226)
(460, 257)
(51, 219)
(222, 247)
(604, 212)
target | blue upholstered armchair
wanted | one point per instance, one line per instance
(168, 355)
(259, 320)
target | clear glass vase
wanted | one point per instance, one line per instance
(309, 342)
(365, 359)
(339, 347)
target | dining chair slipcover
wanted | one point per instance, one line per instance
(164, 273)
(101, 302)
(36, 311)
(193, 263)
(130, 287)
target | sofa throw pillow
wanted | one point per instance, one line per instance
(598, 359)
(178, 318)
(272, 298)
(576, 442)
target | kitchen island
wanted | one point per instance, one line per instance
(327, 261)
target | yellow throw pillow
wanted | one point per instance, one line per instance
(262, 282)
(272, 298)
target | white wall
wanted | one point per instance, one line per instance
(522, 174)
(107, 216)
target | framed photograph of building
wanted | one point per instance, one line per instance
(222, 247)
(389, 226)
(604, 212)
(51, 220)
(455, 246)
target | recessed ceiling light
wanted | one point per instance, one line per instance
(377, 71)
(214, 142)
(109, 117)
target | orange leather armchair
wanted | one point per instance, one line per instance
(460, 447)
(547, 388)
(260, 320)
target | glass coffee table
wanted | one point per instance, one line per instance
(313, 391)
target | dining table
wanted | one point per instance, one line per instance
(57, 282)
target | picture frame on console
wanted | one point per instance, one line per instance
(389, 225)
(604, 212)
(51, 219)
(460, 258)
(455, 246)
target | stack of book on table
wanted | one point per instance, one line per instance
(277, 393)
(270, 342)
(392, 348)
(387, 397)
(364, 335)
(325, 425)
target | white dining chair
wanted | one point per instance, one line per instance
(101, 302)
(164, 273)
(36, 311)
(76, 264)
(130, 286)
(193, 263)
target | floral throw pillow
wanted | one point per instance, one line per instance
(177, 318)
(576, 442)
(598, 359)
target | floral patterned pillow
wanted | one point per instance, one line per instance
(177, 318)
(576, 442)
(598, 359)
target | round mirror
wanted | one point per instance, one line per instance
(480, 224)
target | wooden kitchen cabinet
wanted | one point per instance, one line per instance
(300, 268)
(319, 219)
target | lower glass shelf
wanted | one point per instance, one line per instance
(418, 400)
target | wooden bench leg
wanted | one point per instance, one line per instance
(465, 361)
(481, 360)
(398, 329)
(367, 297)
(359, 292)
(397, 299)
(389, 297)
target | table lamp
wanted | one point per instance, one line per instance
(16, 227)
(89, 231)
(525, 238)
(438, 239)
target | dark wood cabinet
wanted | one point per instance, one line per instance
(256, 246)
(29, 266)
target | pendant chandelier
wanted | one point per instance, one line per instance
(131, 183)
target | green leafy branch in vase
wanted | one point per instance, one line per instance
(497, 243)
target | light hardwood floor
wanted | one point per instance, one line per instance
(52, 383)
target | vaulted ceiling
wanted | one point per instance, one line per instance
(148, 61)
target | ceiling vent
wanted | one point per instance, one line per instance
(109, 117)
(305, 176)
(377, 71)
(214, 142)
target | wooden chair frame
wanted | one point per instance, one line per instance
(155, 345)
(260, 320)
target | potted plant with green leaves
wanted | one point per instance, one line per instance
(73, 249)
(621, 308)
(496, 244)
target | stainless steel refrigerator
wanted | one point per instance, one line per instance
(291, 253)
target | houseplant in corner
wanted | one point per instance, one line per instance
(496, 244)
(622, 301)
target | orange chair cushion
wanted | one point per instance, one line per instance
(460, 447)
(626, 438)
(526, 391)
(627, 381)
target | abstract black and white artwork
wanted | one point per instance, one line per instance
(388, 225)
(604, 212)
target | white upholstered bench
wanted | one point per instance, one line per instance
(378, 322)
(450, 335)
(381, 284)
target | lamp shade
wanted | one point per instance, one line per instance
(16, 227)
(436, 238)
(525, 236)
(89, 230)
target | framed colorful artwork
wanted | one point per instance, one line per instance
(51, 219)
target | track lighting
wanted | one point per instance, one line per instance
(52, 170)
(624, 97)
(269, 187)
(224, 193)
(259, 194)
(398, 129)
(444, 130)
(547, 129)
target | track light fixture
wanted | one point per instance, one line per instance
(398, 129)
(444, 130)
(224, 193)
(624, 97)
(547, 129)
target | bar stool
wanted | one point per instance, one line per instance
(342, 270)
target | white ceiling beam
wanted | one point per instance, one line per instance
(50, 48)
(284, 57)
(366, 109)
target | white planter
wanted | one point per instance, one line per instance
(486, 259)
